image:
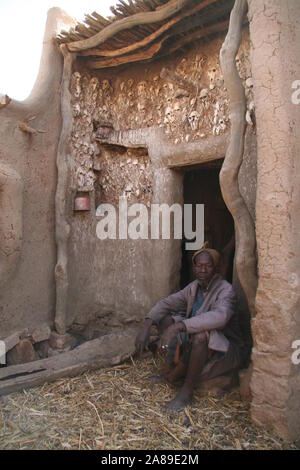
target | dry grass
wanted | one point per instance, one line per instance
(119, 408)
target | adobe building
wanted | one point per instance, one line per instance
(165, 102)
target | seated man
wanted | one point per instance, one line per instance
(198, 328)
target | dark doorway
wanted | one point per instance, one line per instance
(201, 186)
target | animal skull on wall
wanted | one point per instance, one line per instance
(76, 109)
(93, 84)
(169, 116)
(193, 119)
(76, 84)
(142, 88)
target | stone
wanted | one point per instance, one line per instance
(11, 341)
(42, 349)
(58, 341)
(21, 353)
(41, 333)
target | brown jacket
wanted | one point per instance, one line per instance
(217, 315)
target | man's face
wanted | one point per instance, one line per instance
(204, 268)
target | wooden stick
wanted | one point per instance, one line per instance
(245, 257)
(23, 126)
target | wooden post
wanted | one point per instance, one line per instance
(62, 229)
(245, 256)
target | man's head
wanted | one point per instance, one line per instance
(205, 262)
(204, 267)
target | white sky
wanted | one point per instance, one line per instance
(22, 25)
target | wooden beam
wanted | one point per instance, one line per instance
(147, 40)
(171, 8)
(206, 150)
(106, 351)
(137, 57)
(62, 226)
(155, 48)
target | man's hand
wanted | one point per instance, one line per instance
(170, 333)
(143, 336)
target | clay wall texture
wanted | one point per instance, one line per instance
(28, 184)
(275, 66)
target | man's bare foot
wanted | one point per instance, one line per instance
(180, 402)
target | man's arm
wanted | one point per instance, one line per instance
(143, 336)
(174, 303)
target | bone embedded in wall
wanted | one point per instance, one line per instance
(193, 119)
(147, 99)
(75, 84)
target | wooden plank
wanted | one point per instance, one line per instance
(101, 352)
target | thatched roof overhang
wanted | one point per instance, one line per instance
(144, 30)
